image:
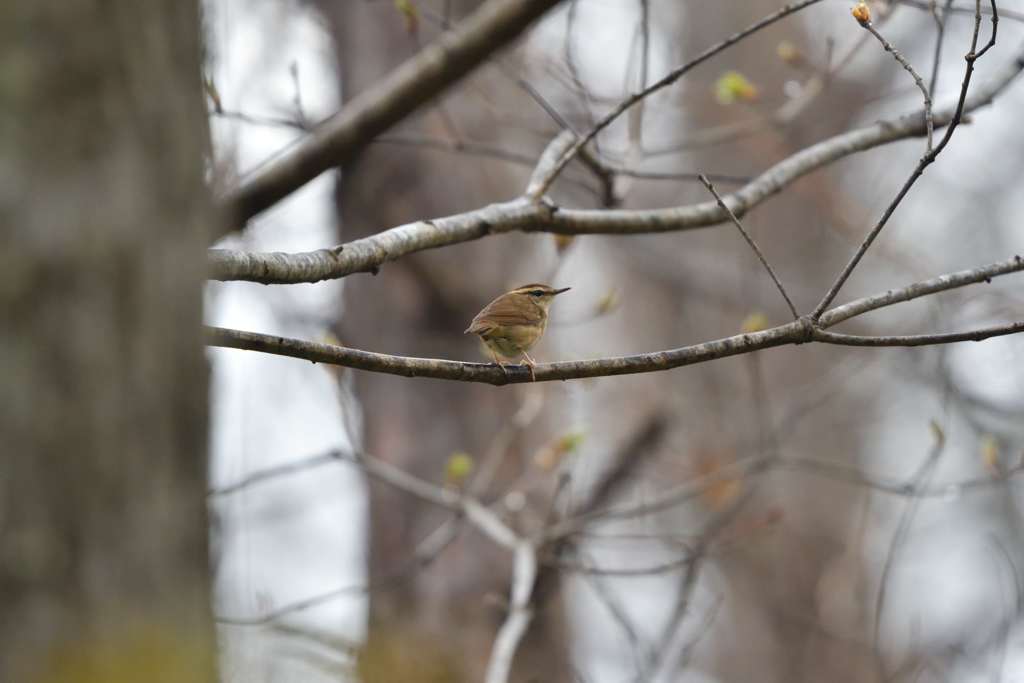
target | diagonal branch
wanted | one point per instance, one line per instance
(336, 141)
(753, 245)
(369, 253)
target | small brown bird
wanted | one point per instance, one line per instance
(511, 324)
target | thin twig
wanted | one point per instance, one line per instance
(926, 5)
(621, 618)
(784, 116)
(753, 467)
(940, 38)
(369, 253)
(923, 474)
(272, 473)
(928, 121)
(668, 80)
(492, 25)
(971, 57)
(684, 601)
(979, 334)
(427, 551)
(753, 245)
(934, 285)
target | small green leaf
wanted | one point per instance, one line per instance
(733, 86)
(458, 468)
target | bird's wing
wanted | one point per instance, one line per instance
(503, 311)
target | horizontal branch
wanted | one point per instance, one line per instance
(454, 54)
(369, 253)
(366, 255)
(490, 373)
(798, 332)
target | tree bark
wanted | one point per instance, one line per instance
(104, 570)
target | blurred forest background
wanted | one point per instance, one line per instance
(841, 514)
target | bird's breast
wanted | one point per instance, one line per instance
(511, 340)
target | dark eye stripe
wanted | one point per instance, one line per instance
(537, 292)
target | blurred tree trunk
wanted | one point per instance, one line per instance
(103, 530)
(420, 305)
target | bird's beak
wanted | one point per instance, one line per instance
(559, 291)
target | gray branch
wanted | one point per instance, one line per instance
(336, 141)
(369, 253)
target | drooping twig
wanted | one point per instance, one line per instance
(925, 91)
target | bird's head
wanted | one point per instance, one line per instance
(541, 294)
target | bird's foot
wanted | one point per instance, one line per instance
(528, 362)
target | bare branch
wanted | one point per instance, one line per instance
(926, 5)
(919, 339)
(753, 245)
(971, 57)
(708, 536)
(488, 373)
(666, 81)
(751, 467)
(474, 511)
(798, 332)
(368, 254)
(549, 158)
(928, 122)
(428, 550)
(271, 473)
(923, 474)
(620, 617)
(925, 287)
(940, 38)
(337, 140)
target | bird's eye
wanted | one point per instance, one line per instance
(537, 292)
